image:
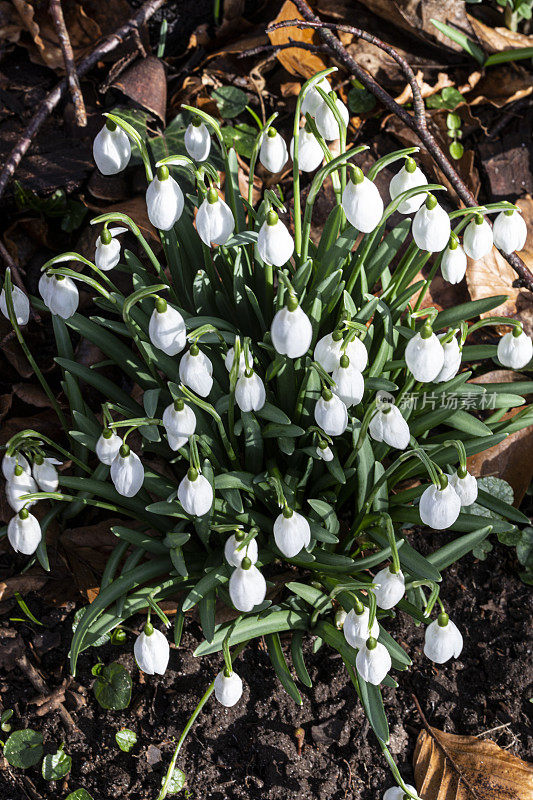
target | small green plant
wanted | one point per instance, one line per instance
(112, 687)
(24, 748)
(126, 739)
(56, 765)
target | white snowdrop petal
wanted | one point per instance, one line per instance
(196, 496)
(179, 425)
(373, 665)
(404, 180)
(291, 332)
(439, 508)
(46, 475)
(21, 305)
(362, 205)
(24, 535)
(310, 155)
(164, 202)
(452, 360)
(107, 256)
(325, 119)
(509, 231)
(273, 152)
(107, 448)
(390, 427)
(453, 264)
(312, 99)
(431, 229)
(349, 385)
(389, 587)
(214, 222)
(152, 652)
(228, 690)
(331, 415)
(424, 357)
(250, 393)
(465, 488)
(275, 245)
(442, 642)
(196, 372)
(197, 141)
(355, 628)
(111, 150)
(325, 453)
(62, 296)
(228, 361)
(515, 352)
(127, 474)
(16, 487)
(397, 793)
(167, 331)
(234, 552)
(291, 534)
(247, 588)
(477, 239)
(10, 462)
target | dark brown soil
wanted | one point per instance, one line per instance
(250, 751)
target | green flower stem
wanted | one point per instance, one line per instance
(394, 769)
(137, 138)
(76, 257)
(30, 434)
(216, 416)
(342, 130)
(391, 538)
(129, 303)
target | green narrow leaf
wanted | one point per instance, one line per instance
(277, 658)
(298, 659)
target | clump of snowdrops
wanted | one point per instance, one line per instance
(269, 461)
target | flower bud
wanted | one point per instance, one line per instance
(228, 689)
(388, 425)
(19, 485)
(397, 793)
(234, 555)
(247, 586)
(152, 652)
(107, 249)
(515, 351)
(424, 355)
(107, 446)
(164, 201)
(197, 141)
(196, 371)
(274, 242)
(273, 153)
(24, 533)
(324, 452)
(329, 349)
(409, 177)
(45, 473)
(60, 294)
(291, 332)
(477, 238)
(214, 220)
(127, 472)
(452, 360)
(431, 226)
(291, 533)
(326, 123)
(111, 149)
(312, 99)
(250, 392)
(349, 383)
(10, 462)
(453, 263)
(310, 155)
(465, 486)
(509, 231)
(21, 305)
(389, 587)
(443, 640)
(167, 329)
(228, 361)
(179, 421)
(373, 661)
(355, 627)
(195, 494)
(439, 508)
(331, 414)
(362, 202)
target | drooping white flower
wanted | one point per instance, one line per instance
(431, 226)
(214, 220)
(107, 446)
(465, 486)
(45, 473)
(477, 238)
(20, 484)
(389, 587)
(453, 263)
(331, 413)
(275, 245)
(361, 202)
(228, 688)
(515, 349)
(166, 328)
(388, 425)
(397, 793)
(21, 305)
(45, 283)
(273, 152)
(179, 421)
(107, 249)
(409, 177)
(127, 472)
(111, 149)
(355, 627)
(151, 651)
(247, 586)
(197, 140)
(439, 508)
(228, 361)
(310, 155)
(234, 552)
(424, 355)
(373, 661)
(312, 99)
(324, 451)
(291, 330)
(250, 394)
(164, 200)
(329, 349)
(60, 295)
(196, 371)
(10, 462)
(24, 532)
(349, 383)
(443, 640)
(452, 360)
(195, 493)
(291, 532)
(509, 231)
(326, 123)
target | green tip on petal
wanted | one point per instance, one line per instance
(272, 132)
(240, 536)
(410, 165)
(38, 459)
(426, 330)
(453, 244)
(462, 472)
(443, 619)
(287, 512)
(163, 173)
(358, 607)
(192, 474)
(478, 219)
(292, 303)
(107, 434)
(148, 629)
(336, 336)
(195, 350)
(517, 331)
(356, 175)
(105, 236)
(110, 125)
(196, 122)
(124, 450)
(345, 361)
(228, 672)
(272, 217)
(24, 513)
(431, 202)
(18, 470)
(327, 394)
(179, 405)
(443, 481)
(246, 563)
(212, 196)
(509, 212)
(371, 643)
(161, 305)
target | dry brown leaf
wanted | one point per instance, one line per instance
(426, 90)
(493, 773)
(295, 60)
(501, 86)
(146, 84)
(494, 40)
(32, 394)
(29, 582)
(491, 276)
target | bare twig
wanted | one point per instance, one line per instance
(38, 683)
(56, 12)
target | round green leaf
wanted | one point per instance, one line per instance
(230, 101)
(360, 100)
(453, 122)
(112, 687)
(56, 765)
(24, 748)
(177, 781)
(126, 739)
(456, 150)
(79, 794)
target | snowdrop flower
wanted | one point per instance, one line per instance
(274, 242)
(310, 155)
(362, 202)
(452, 360)
(443, 640)
(24, 532)
(424, 355)
(228, 688)
(509, 231)
(389, 587)
(439, 505)
(409, 177)
(107, 446)
(273, 153)
(291, 330)
(164, 200)
(45, 282)
(234, 555)
(107, 251)
(166, 328)
(21, 305)
(151, 651)
(179, 421)
(388, 425)
(312, 99)
(373, 661)
(60, 294)
(127, 472)
(228, 361)
(331, 413)
(326, 123)
(10, 462)
(195, 493)
(324, 451)
(111, 149)
(197, 140)
(20, 484)
(250, 392)
(329, 349)
(453, 263)
(349, 383)
(45, 473)
(214, 220)
(196, 371)
(465, 486)
(397, 793)
(247, 586)
(291, 532)
(477, 238)
(431, 226)
(515, 349)
(355, 626)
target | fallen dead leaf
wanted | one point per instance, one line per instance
(22, 584)
(426, 90)
(494, 40)
(145, 82)
(493, 773)
(296, 61)
(31, 394)
(500, 86)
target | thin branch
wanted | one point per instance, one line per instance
(56, 12)
(275, 48)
